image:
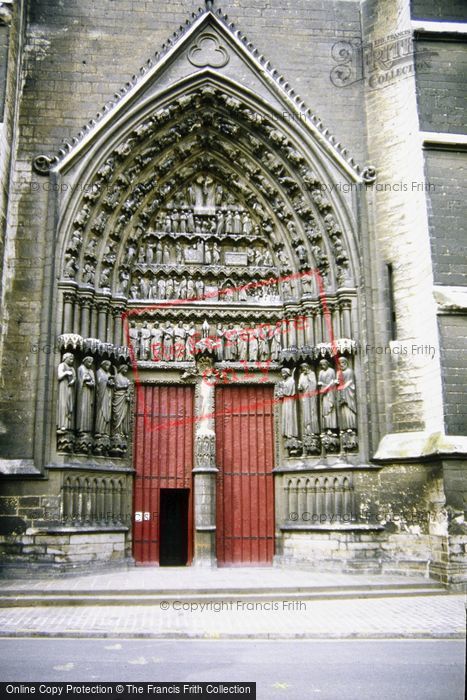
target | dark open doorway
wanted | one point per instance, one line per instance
(173, 527)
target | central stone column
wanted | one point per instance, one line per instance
(205, 470)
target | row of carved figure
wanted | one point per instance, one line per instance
(184, 288)
(225, 222)
(198, 252)
(177, 342)
(318, 409)
(93, 407)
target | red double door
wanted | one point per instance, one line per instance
(163, 492)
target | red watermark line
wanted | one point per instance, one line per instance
(229, 374)
(241, 410)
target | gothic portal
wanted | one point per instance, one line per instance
(210, 284)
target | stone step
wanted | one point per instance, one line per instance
(15, 598)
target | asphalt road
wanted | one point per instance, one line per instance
(295, 670)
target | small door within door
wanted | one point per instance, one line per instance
(173, 527)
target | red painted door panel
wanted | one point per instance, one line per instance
(163, 460)
(245, 487)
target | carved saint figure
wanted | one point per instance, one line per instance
(347, 397)
(133, 333)
(327, 384)
(230, 346)
(168, 343)
(66, 393)
(285, 391)
(242, 343)
(276, 343)
(253, 347)
(216, 254)
(145, 342)
(190, 342)
(105, 383)
(179, 342)
(85, 397)
(121, 403)
(263, 340)
(156, 342)
(307, 389)
(219, 343)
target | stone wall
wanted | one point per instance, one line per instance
(408, 397)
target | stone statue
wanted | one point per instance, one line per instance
(85, 396)
(219, 343)
(263, 344)
(179, 342)
(307, 389)
(133, 334)
(327, 385)
(253, 346)
(242, 343)
(346, 397)
(190, 341)
(230, 346)
(168, 343)
(276, 343)
(145, 342)
(286, 393)
(156, 342)
(105, 384)
(216, 254)
(66, 393)
(121, 403)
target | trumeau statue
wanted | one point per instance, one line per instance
(66, 393)
(85, 397)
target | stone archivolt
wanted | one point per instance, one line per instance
(203, 185)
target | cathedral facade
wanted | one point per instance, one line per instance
(227, 338)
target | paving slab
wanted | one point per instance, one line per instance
(440, 617)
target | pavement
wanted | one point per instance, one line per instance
(230, 603)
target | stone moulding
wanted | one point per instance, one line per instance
(219, 21)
